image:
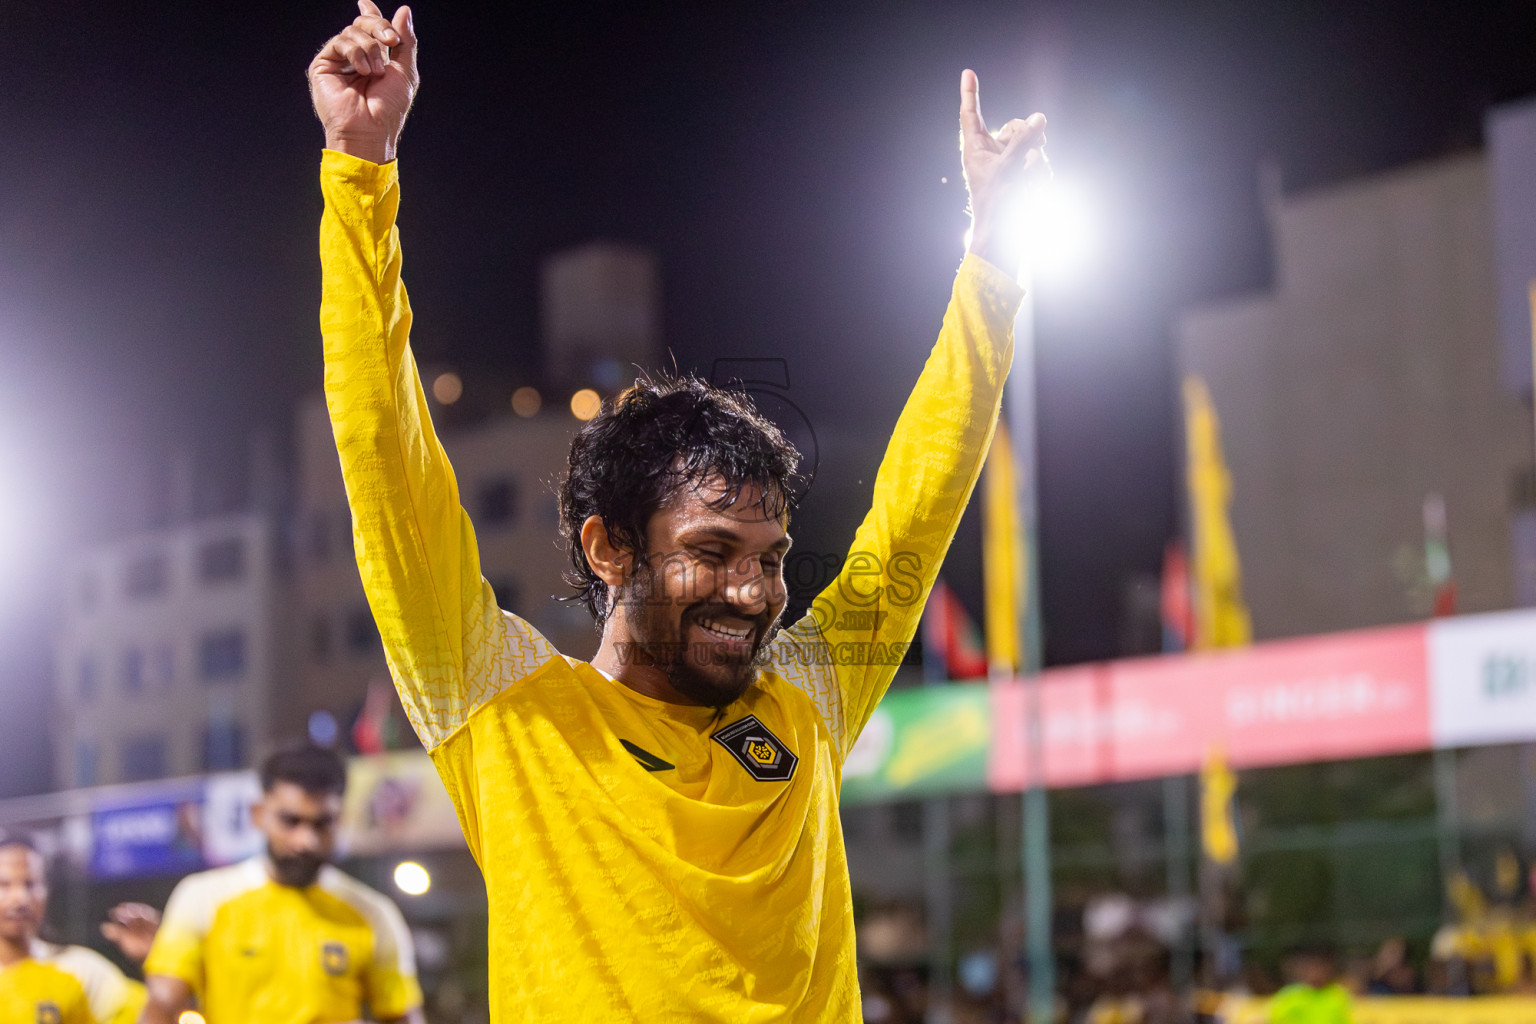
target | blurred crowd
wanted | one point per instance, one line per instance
(1129, 977)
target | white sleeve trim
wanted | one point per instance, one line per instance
(801, 657)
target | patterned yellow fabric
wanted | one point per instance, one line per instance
(257, 952)
(33, 992)
(643, 861)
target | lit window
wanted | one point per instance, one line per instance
(144, 758)
(223, 560)
(87, 682)
(221, 655)
(161, 671)
(85, 763)
(133, 670)
(324, 533)
(147, 576)
(223, 746)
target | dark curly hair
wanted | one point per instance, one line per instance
(663, 434)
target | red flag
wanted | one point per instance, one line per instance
(949, 631)
(1177, 609)
(373, 732)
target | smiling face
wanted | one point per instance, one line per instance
(23, 894)
(709, 595)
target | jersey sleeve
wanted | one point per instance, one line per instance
(112, 998)
(844, 652)
(449, 647)
(177, 951)
(133, 1004)
(393, 990)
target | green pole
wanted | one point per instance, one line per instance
(937, 898)
(1037, 820)
(1176, 847)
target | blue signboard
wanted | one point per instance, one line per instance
(159, 835)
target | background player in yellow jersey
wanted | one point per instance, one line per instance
(48, 983)
(284, 938)
(658, 828)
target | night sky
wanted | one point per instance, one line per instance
(788, 161)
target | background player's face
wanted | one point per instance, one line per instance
(300, 827)
(706, 603)
(23, 893)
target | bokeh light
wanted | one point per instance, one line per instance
(526, 402)
(323, 729)
(411, 878)
(1052, 227)
(447, 388)
(586, 404)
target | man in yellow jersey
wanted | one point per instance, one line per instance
(658, 828)
(44, 982)
(284, 938)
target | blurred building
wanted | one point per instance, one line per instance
(168, 652)
(1363, 394)
(196, 646)
(506, 468)
(601, 314)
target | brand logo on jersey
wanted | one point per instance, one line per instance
(647, 760)
(333, 957)
(761, 753)
(49, 1013)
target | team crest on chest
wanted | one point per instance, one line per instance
(49, 1013)
(333, 957)
(761, 753)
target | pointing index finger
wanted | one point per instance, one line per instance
(971, 123)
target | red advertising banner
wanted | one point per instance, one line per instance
(1355, 694)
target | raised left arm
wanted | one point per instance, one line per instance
(846, 650)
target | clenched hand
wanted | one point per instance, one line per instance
(363, 80)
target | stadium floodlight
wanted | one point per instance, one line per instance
(1056, 227)
(411, 878)
(1052, 226)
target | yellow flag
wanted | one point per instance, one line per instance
(1002, 555)
(1218, 785)
(1221, 617)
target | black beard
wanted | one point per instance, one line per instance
(298, 870)
(657, 642)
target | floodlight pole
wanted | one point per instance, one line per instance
(1020, 409)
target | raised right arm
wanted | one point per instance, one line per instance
(449, 647)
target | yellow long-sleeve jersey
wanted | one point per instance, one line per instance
(644, 861)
